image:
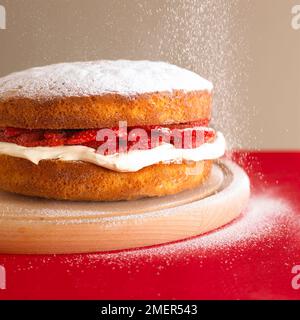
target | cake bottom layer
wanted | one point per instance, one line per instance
(80, 181)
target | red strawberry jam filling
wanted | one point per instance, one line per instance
(186, 135)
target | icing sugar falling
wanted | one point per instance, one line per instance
(208, 37)
(126, 77)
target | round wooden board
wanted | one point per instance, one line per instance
(31, 225)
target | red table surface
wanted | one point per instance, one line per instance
(260, 270)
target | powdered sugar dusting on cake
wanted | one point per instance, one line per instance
(100, 77)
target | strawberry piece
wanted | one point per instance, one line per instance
(13, 132)
(54, 138)
(82, 137)
(29, 139)
(55, 142)
(50, 135)
(192, 137)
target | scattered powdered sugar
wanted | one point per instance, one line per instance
(259, 220)
(100, 77)
(265, 218)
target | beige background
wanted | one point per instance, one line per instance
(247, 48)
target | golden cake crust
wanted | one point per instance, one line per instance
(80, 181)
(105, 110)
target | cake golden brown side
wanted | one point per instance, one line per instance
(74, 180)
(105, 110)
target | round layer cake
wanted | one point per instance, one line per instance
(105, 130)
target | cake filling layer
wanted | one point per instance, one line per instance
(130, 161)
(95, 138)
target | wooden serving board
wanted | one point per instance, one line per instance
(31, 225)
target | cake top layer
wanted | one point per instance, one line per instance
(94, 78)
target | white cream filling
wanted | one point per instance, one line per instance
(124, 162)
